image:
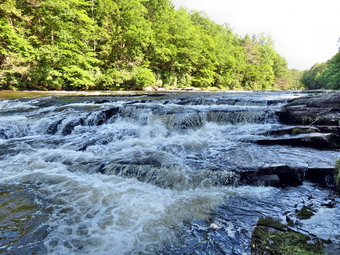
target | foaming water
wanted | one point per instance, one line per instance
(145, 174)
(95, 213)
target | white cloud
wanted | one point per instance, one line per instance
(305, 31)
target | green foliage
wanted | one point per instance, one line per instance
(15, 50)
(313, 79)
(323, 76)
(130, 44)
(142, 77)
(332, 74)
(306, 212)
(272, 237)
(135, 78)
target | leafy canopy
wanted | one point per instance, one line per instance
(131, 44)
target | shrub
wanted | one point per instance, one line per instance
(142, 77)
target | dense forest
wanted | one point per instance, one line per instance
(324, 76)
(130, 44)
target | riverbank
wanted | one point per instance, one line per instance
(38, 93)
(31, 94)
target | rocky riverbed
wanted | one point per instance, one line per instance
(167, 173)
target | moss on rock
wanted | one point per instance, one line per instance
(305, 213)
(302, 130)
(269, 239)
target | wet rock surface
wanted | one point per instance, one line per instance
(170, 173)
(315, 140)
(323, 109)
(270, 236)
(232, 225)
(313, 122)
(316, 120)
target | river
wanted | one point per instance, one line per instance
(147, 174)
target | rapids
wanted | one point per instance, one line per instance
(147, 174)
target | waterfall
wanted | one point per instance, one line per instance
(140, 174)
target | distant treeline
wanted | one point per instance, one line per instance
(324, 76)
(130, 44)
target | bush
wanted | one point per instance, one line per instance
(142, 77)
(113, 79)
(135, 78)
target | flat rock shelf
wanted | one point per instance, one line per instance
(165, 173)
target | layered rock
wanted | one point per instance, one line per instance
(281, 175)
(323, 109)
(320, 115)
(315, 123)
(318, 141)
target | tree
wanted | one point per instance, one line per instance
(331, 76)
(128, 44)
(313, 78)
(15, 50)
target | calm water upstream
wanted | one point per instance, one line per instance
(146, 174)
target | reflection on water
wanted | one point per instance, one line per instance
(22, 220)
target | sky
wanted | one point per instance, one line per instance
(305, 32)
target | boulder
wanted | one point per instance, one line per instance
(323, 109)
(315, 120)
(282, 175)
(149, 89)
(287, 176)
(191, 89)
(270, 236)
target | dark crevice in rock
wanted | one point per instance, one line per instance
(284, 176)
(317, 141)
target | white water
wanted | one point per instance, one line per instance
(102, 214)
(161, 163)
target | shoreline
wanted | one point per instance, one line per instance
(10, 94)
